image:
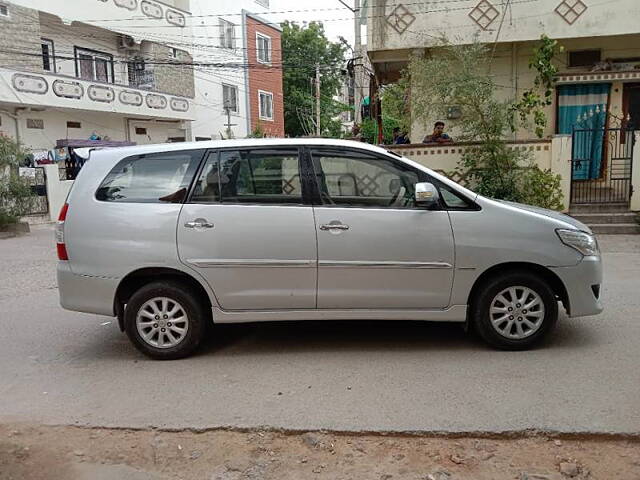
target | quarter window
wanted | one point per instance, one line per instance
(257, 177)
(359, 180)
(155, 178)
(264, 48)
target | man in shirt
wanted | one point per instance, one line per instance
(400, 137)
(438, 135)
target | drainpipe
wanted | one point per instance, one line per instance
(16, 119)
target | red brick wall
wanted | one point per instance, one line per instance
(267, 78)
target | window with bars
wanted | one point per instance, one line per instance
(263, 46)
(48, 55)
(139, 75)
(227, 34)
(230, 97)
(4, 10)
(265, 105)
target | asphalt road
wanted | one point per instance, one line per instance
(59, 367)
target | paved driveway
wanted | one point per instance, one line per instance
(70, 368)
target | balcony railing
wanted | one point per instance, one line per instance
(62, 91)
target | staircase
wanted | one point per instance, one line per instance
(607, 218)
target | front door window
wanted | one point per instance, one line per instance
(359, 180)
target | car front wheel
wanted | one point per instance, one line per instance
(165, 320)
(514, 311)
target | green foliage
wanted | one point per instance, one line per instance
(459, 76)
(258, 132)
(369, 130)
(395, 103)
(534, 100)
(301, 48)
(15, 192)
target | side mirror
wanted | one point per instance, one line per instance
(426, 195)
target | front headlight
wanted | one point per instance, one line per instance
(583, 242)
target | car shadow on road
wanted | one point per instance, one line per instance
(333, 336)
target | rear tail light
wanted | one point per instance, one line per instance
(60, 245)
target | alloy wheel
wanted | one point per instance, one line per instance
(162, 322)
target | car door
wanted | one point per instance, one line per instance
(376, 249)
(246, 229)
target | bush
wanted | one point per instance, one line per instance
(459, 76)
(370, 130)
(15, 192)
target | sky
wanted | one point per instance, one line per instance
(337, 19)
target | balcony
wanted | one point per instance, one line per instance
(60, 91)
(150, 16)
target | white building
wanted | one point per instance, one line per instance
(82, 69)
(236, 47)
(140, 71)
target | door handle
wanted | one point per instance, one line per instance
(334, 226)
(198, 223)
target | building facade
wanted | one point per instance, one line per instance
(139, 71)
(238, 76)
(599, 69)
(69, 72)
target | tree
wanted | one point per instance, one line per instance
(302, 49)
(459, 76)
(15, 192)
(395, 104)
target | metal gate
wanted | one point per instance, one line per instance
(38, 203)
(602, 162)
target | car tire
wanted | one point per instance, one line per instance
(522, 328)
(166, 340)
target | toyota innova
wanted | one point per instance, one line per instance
(172, 238)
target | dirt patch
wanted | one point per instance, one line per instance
(71, 453)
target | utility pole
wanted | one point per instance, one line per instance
(358, 62)
(227, 110)
(318, 131)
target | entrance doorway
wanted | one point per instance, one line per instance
(631, 105)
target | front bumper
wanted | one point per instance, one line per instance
(84, 293)
(583, 284)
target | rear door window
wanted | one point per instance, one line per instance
(261, 176)
(151, 178)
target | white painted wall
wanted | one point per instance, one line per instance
(523, 20)
(110, 125)
(57, 190)
(553, 154)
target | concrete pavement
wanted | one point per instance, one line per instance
(68, 368)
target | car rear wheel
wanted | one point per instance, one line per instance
(514, 311)
(165, 320)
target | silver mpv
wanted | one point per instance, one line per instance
(171, 238)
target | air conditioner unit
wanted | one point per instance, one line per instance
(128, 43)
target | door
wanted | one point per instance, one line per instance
(631, 106)
(246, 229)
(376, 249)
